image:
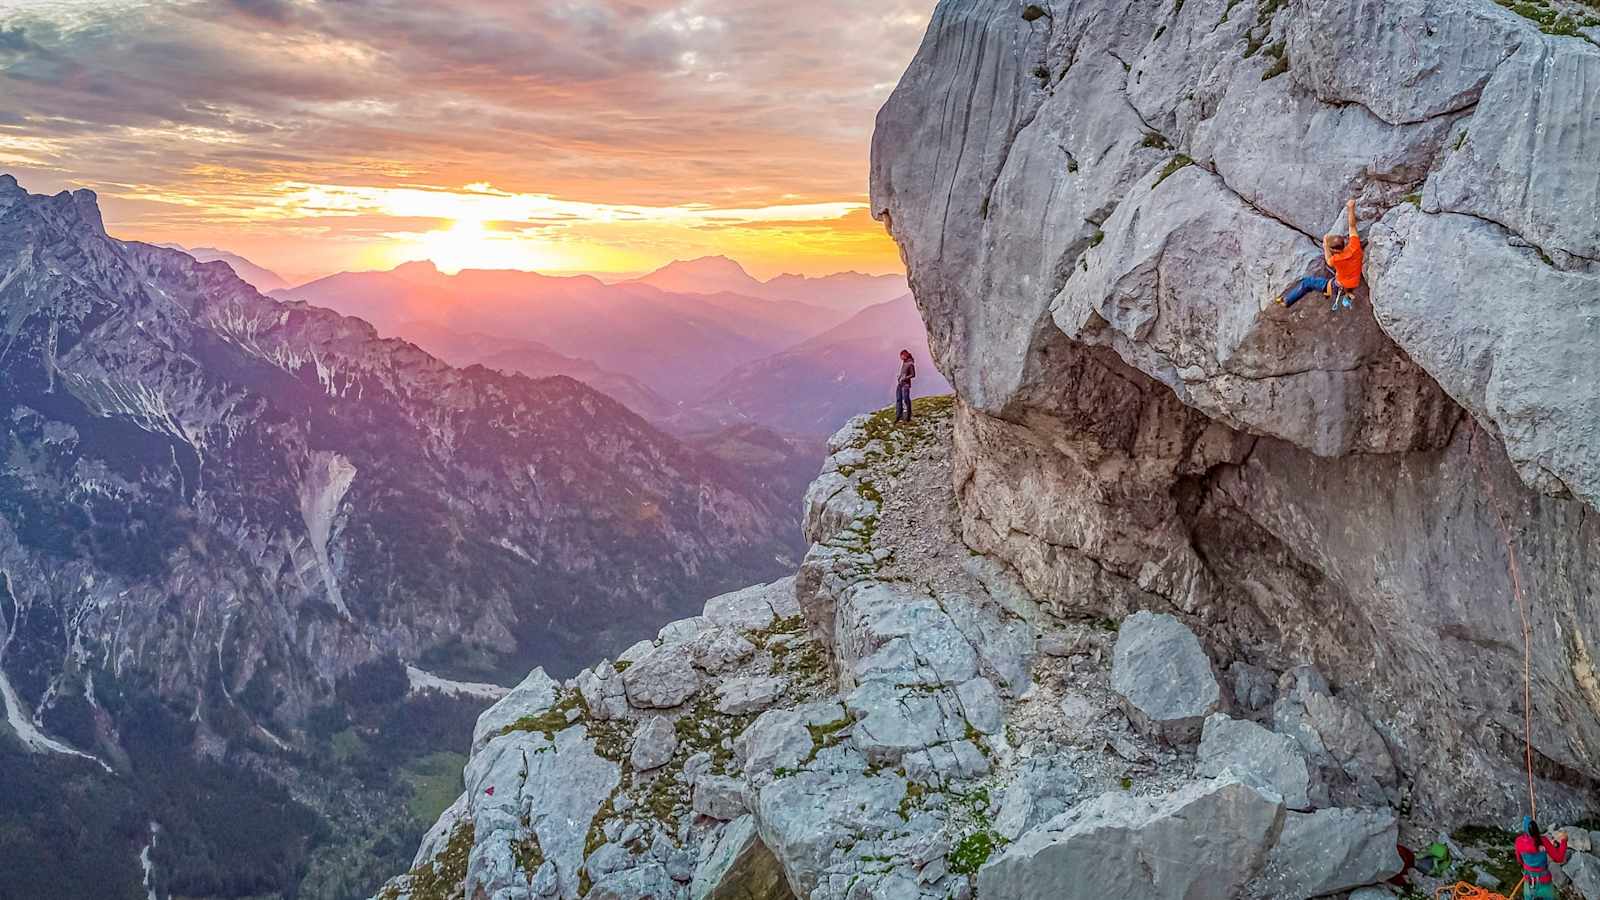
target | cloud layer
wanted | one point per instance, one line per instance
(604, 130)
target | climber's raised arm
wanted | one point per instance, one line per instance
(1350, 212)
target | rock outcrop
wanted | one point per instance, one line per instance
(895, 733)
(1096, 200)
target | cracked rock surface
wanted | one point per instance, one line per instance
(1096, 201)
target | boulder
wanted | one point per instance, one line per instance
(1583, 871)
(739, 867)
(682, 630)
(750, 609)
(719, 649)
(663, 679)
(1202, 842)
(1249, 749)
(1043, 789)
(980, 703)
(749, 694)
(1329, 851)
(1164, 677)
(647, 882)
(534, 695)
(719, 797)
(654, 742)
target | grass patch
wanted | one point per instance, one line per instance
(974, 848)
(552, 720)
(1177, 162)
(1413, 199)
(1265, 10)
(1096, 238)
(1226, 10)
(1549, 19)
(1461, 139)
(1496, 844)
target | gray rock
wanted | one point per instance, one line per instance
(980, 703)
(654, 742)
(1202, 842)
(546, 882)
(1372, 893)
(719, 797)
(1583, 871)
(719, 649)
(1328, 851)
(1078, 715)
(1043, 789)
(740, 867)
(603, 692)
(1164, 676)
(781, 738)
(539, 785)
(1247, 748)
(748, 694)
(1252, 686)
(647, 882)
(609, 858)
(1094, 204)
(636, 652)
(663, 679)
(683, 630)
(749, 609)
(534, 695)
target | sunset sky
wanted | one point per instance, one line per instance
(560, 135)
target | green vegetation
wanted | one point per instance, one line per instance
(553, 720)
(1550, 19)
(1265, 10)
(972, 851)
(915, 795)
(441, 877)
(1413, 199)
(527, 852)
(1156, 140)
(1177, 162)
(1126, 783)
(1096, 238)
(1280, 64)
(1500, 859)
(1227, 10)
(974, 848)
(1461, 139)
(435, 782)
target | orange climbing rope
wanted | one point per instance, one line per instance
(1515, 570)
(1463, 891)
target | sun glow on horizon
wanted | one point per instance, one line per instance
(472, 244)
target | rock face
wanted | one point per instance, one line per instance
(892, 735)
(1201, 843)
(1096, 200)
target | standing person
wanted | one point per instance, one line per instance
(902, 392)
(1536, 852)
(1343, 256)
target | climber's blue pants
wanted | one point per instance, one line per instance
(1307, 285)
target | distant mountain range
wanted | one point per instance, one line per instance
(262, 279)
(677, 344)
(815, 386)
(694, 346)
(846, 291)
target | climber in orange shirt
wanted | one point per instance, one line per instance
(1343, 256)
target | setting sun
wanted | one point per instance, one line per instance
(471, 244)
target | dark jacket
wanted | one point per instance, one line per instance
(908, 371)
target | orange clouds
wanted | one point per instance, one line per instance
(617, 134)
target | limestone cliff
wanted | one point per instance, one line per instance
(1096, 200)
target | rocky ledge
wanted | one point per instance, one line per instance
(903, 720)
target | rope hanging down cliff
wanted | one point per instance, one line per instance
(1514, 569)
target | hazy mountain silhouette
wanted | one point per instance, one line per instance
(815, 386)
(676, 344)
(851, 291)
(259, 277)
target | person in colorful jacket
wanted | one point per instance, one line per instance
(1536, 852)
